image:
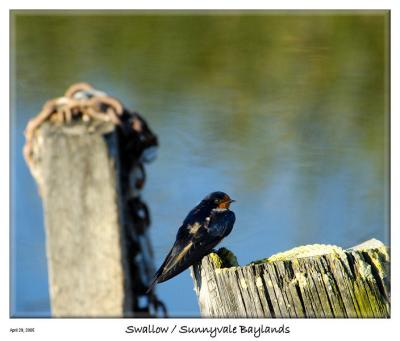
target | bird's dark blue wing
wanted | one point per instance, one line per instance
(193, 242)
(183, 254)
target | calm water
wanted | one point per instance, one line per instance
(286, 113)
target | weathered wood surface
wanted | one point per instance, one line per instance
(98, 251)
(313, 281)
(84, 238)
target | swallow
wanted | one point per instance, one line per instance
(203, 228)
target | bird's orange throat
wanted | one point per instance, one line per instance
(225, 204)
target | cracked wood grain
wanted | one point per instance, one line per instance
(353, 283)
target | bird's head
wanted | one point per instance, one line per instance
(218, 200)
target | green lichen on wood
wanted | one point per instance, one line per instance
(223, 258)
(380, 257)
(228, 258)
(309, 281)
(217, 261)
(301, 252)
(362, 302)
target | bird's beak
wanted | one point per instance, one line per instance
(231, 201)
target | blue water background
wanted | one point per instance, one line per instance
(288, 113)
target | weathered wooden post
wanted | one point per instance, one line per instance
(86, 152)
(308, 281)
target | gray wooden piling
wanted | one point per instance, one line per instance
(309, 281)
(86, 153)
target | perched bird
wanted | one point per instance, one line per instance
(203, 228)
